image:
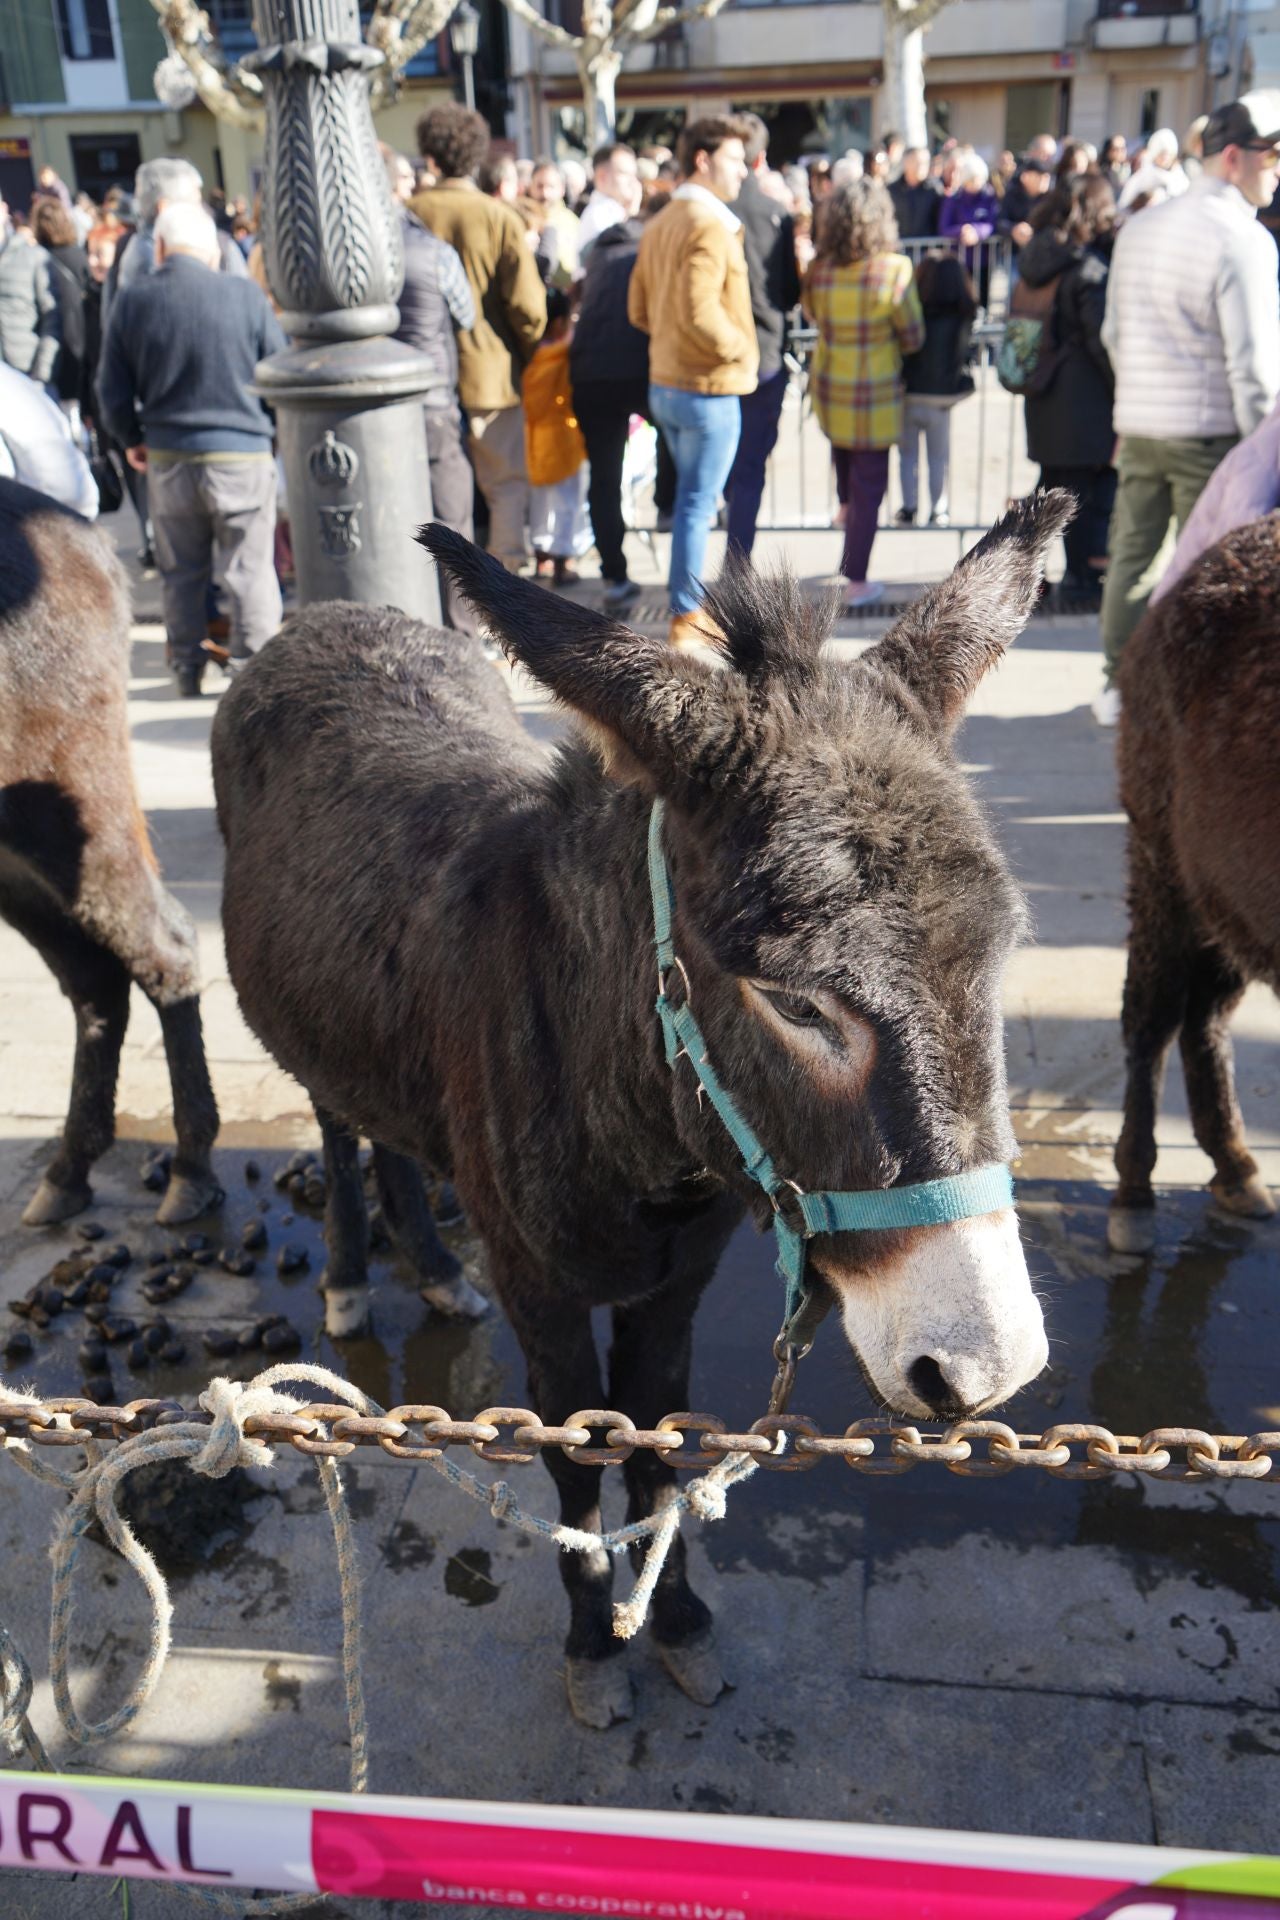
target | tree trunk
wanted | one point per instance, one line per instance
(599, 76)
(902, 90)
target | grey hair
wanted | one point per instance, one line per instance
(182, 228)
(165, 179)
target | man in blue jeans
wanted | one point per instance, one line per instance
(769, 234)
(689, 292)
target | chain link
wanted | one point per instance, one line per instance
(600, 1436)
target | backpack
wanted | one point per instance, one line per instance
(1028, 357)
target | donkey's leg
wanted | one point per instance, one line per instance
(411, 1225)
(1155, 996)
(1216, 988)
(564, 1377)
(649, 1377)
(98, 988)
(193, 1188)
(345, 1283)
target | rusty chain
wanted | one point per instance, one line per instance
(513, 1436)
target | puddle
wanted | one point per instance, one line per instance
(1185, 1336)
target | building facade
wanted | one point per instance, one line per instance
(76, 78)
(77, 94)
(997, 71)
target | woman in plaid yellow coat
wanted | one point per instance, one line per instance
(861, 295)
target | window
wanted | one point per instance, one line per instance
(1149, 117)
(84, 28)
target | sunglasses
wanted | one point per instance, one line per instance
(1269, 149)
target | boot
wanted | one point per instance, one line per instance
(188, 680)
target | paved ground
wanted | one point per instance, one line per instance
(1025, 1656)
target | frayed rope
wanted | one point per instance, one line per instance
(213, 1451)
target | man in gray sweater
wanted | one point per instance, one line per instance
(1193, 330)
(30, 334)
(174, 389)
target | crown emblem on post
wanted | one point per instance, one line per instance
(332, 462)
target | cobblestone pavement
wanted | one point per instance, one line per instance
(1022, 1655)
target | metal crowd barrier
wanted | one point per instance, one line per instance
(988, 464)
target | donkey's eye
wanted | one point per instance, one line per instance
(794, 1008)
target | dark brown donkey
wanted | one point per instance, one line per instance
(445, 931)
(1199, 758)
(77, 875)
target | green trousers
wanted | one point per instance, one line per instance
(1160, 482)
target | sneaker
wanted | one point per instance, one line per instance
(940, 518)
(1106, 708)
(621, 594)
(905, 517)
(868, 593)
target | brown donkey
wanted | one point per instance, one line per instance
(1199, 759)
(77, 875)
(447, 933)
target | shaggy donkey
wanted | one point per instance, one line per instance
(1200, 781)
(77, 875)
(445, 931)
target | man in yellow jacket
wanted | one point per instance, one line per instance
(689, 292)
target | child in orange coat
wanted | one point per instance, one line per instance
(555, 453)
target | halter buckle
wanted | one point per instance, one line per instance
(799, 1225)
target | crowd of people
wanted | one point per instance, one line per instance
(586, 330)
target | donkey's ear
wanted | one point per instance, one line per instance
(653, 714)
(942, 647)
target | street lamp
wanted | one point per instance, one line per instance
(464, 38)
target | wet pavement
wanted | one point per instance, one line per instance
(1020, 1654)
(1027, 1654)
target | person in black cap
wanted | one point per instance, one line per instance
(1193, 330)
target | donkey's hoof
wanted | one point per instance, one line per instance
(346, 1310)
(694, 1665)
(1131, 1229)
(1248, 1198)
(599, 1692)
(447, 1207)
(186, 1197)
(49, 1204)
(456, 1298)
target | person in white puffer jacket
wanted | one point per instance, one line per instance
(1193, 330)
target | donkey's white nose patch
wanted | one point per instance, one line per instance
(949, 1322)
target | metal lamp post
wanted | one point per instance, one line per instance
(348, 398)
(464, 38)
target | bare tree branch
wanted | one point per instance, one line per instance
(228, 92)
(919, 13)
(399, 29)
(542, 26)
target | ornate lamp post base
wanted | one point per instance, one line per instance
(348, 399)
(350, 425)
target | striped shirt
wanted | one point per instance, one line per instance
(868, 316)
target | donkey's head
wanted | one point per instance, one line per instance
(844, 917)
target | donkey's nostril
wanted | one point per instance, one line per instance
(928, 1382)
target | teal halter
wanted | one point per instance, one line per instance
(930, 1203)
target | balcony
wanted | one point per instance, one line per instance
(1121, 24)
